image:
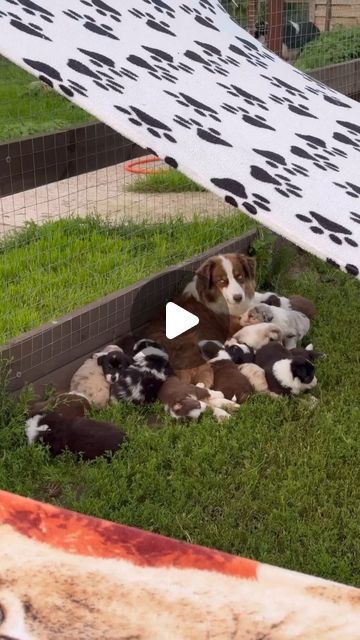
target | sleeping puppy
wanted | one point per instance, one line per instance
(89, 380)
(240, 353)
(296, 303)
(256, 376)
(293, 324)
(79, 435)
(257, 335)
(227, 377)
(141, 380)
(112, 364)
(69, 405)
(184, 400)
(285, 373)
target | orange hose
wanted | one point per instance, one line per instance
(133, 165)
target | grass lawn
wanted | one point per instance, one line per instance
(168, 181)
(47, 271)
(279, 482)
(24, 111)
(339, 45)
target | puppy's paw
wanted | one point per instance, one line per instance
(200, 385)
(216, 394)
(221, 403)
(220, 414)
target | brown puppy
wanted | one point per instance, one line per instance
(69, 405)
(184, 400)
(227, 377)
(84, 436)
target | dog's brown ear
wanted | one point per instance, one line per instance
(248, 264)
(204, 272)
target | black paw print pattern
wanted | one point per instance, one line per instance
(140, 118)
(355, 217)
(320, 225)
(53, 78)
(200, 108)
(152, 21)
(352, 138)
(350, 268)
(204, 20)
(160, 65)
(277, 161)
(320, 149)
(236, 189)
(97, 24)
(102, 70)
(209, 134)
(351, 189)
(161, 8)
(250, 52)
(22, 16)
(212, 59)
(318, 160)
(249, 99)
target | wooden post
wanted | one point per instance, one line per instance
(275, 20)
(251, 15)
(327, 15)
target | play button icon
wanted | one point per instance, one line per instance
(178, 320)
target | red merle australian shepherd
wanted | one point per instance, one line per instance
(221, 290)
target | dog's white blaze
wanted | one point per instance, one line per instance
(33, 429)
(196, 413)
(221, 355)
(244, 347)
(233, 288)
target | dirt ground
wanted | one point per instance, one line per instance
(103, 192)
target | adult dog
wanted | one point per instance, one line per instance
(221, 290)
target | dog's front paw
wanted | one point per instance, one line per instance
(220, 414)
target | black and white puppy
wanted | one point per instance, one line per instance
(80, 435)
(286, 373)
(141, 380)
(240, 353)
(112, 364)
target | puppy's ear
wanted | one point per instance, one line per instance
(248, 264)
(204, 273)
(101, 360)
(209, 348)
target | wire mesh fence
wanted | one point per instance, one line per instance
(77, 222)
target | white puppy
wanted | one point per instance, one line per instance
(257, 335)
(293, 324)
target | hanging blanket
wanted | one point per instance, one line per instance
(184, 80)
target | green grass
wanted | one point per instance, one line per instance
(49, 270)
(339, 45)
(279, 482)
(24, 112)
(168, 181)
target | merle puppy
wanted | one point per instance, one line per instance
(286, 373)
(141, 380)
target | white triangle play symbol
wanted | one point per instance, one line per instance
(178, 320)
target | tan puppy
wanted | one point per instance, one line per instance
(255, 375)
(89, 380)
(257, 335)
